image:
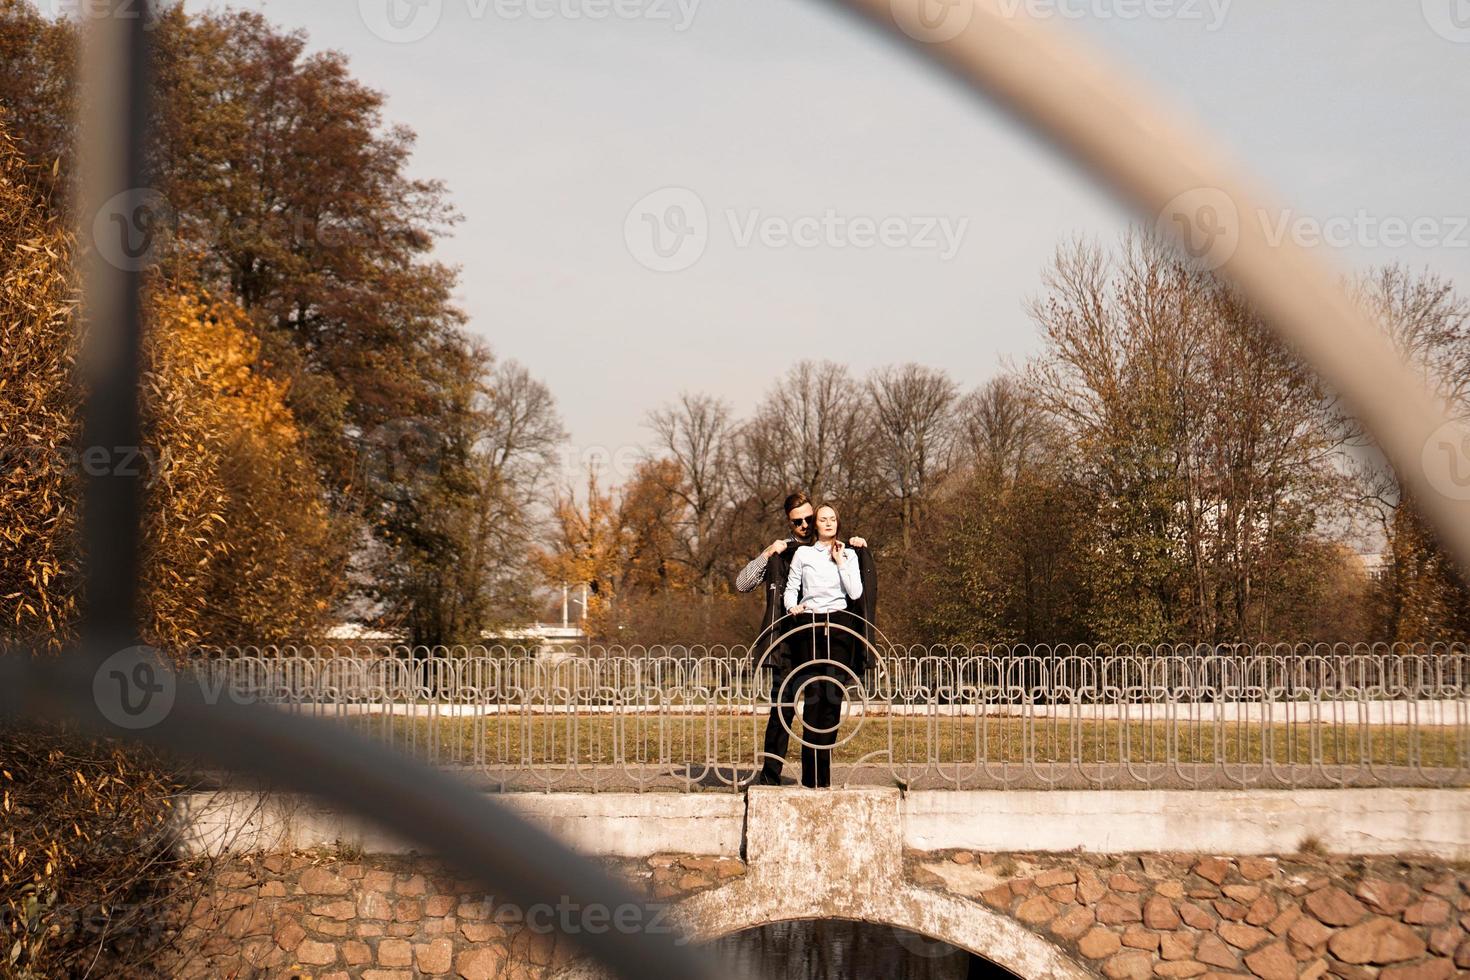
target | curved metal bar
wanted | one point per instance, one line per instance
(481, 838)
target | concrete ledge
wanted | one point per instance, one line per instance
(610, 824)
(1346, 821)
(1432, 822)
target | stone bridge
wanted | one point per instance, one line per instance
(298, 910)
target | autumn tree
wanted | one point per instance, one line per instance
(914, 432)
(237, 541)
(1210, 446)
(292, 189)
(38, 59)
(38, 414)
(586, 548)
(813, 431)
(1429, 323)
(286, 192)
(697, 438)
(458, 500)
(1006, 556)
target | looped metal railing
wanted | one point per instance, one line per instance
(665, 717)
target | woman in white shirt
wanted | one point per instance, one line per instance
(823, 577)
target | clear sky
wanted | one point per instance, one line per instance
(845, 201)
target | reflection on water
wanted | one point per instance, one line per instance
(835, 949)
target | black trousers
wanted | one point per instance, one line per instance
(821, 709)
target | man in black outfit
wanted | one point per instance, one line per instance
(770, 568)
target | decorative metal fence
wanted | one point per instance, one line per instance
(691, 716)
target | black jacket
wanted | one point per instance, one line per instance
(774, 585)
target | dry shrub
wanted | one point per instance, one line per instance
(38, 424)
(89, 872)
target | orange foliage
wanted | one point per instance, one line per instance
(238, 543)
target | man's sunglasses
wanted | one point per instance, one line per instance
(800, 521)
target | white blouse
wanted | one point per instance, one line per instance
(818, 581)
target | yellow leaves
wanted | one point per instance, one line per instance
(237, 530)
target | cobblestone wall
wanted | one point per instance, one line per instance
(1176, 915)
(322, 916)
(319, 916)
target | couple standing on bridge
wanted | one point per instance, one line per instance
(821, 596)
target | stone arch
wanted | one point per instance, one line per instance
(744, 905)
